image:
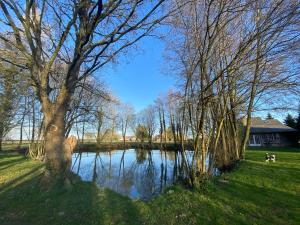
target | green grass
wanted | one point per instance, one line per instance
(7, 148)
(254, 193)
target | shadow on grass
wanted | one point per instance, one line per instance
(10, 184)
(24, 202)
(119, 209)
(12, 162)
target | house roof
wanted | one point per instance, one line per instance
(268, 126)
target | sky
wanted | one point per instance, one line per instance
(139, 77)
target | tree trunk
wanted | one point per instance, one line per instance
(21, 131)
(160, 126)
(124, 140)
(258, 61)
(98, 139)
(1, 139)
(58, 159)
(22, 123)
(83, 131)
(33, 120)
(164, 127)
(172, 123)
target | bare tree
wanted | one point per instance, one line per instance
(227, 52)
(125, 118)
(161, 108)
(7, 100)
(83, 36)
(148, 119)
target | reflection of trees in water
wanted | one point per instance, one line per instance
(141, 155)
(145, 177)
(111, 175)
(139, 175)
(152, 177)
(126, 176)
(170, 155)
(175, 168)
(77, 159)
(95, 167)
(166, 156)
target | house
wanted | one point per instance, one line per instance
(128, 138)
(271, 132)
(158, 138)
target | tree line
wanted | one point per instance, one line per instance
(230, 57)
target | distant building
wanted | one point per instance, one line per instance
(271, 132)
(128, 138)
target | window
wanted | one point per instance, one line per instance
(257, 139)
(254, 140)
(251, 139)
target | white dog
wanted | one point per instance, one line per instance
(270, 157)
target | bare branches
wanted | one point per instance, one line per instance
(232, 54)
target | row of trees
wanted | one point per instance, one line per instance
(113, 120)
(230, 58)
(94, 114)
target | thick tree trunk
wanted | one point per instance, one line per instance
(58, 158)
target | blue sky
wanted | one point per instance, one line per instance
(140, 77)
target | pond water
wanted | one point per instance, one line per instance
(136, 173)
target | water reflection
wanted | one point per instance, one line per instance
(136, 173)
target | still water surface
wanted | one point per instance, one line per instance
(136, 173)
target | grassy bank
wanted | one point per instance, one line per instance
(255, 193)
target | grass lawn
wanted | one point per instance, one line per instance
(254, 193)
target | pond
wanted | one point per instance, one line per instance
(137, 173)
